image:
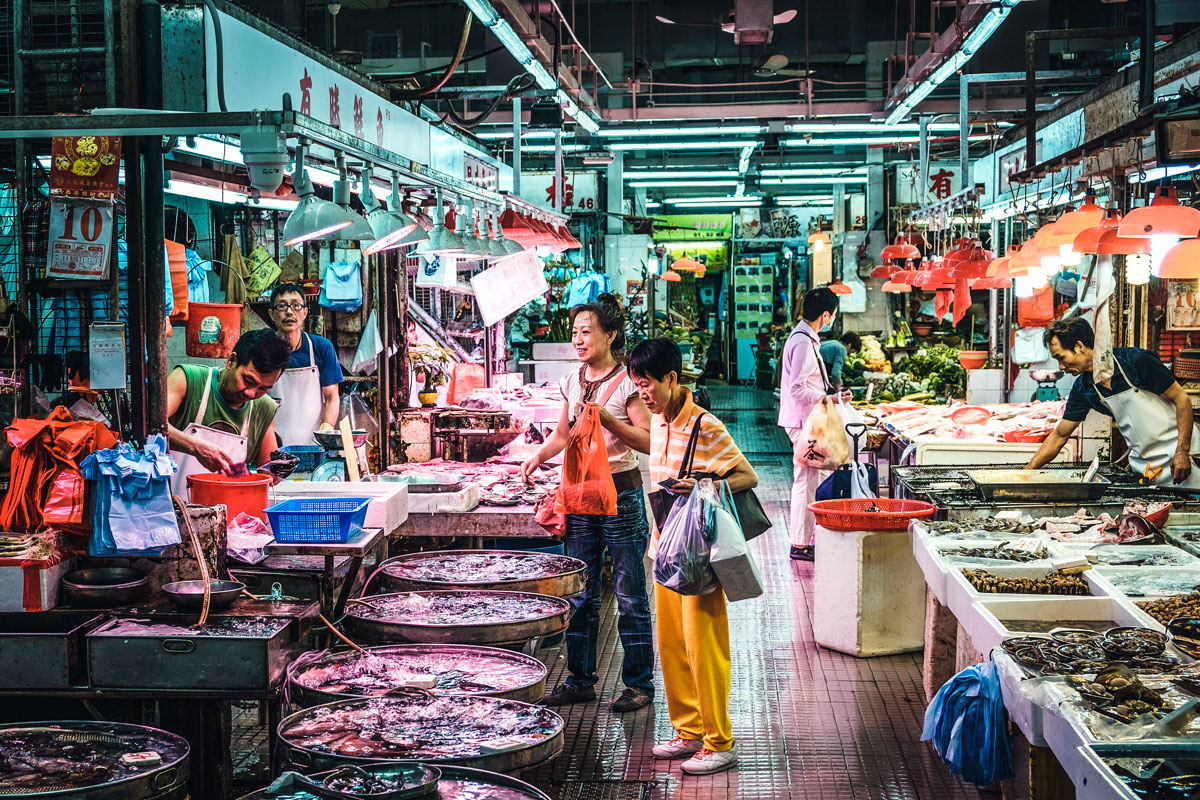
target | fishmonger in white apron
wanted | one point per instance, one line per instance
(231, 444)
(301, 404)
(1147, 422)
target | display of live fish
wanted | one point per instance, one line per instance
(481, 566)
(250, 627)
(476, 790)
(422, 728)
(457, 607)
(46, 757)
(1104, 529)
(452, 669)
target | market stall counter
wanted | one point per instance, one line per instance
(367, 543)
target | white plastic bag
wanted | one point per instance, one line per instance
(681, 563)
(860, 482)
(823, 438)
(730, 555)
(247, 538)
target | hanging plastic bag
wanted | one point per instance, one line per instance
(132, 512)
(464, 380)
(1036, 311)
(860, 482)
(730, 555)
(966, 722)
(823, 438)
(247, 539)
(546, 515)
(587, 484)
(341, 288)
(681, 562)
(361, 418)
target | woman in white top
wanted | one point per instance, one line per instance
(597, 331)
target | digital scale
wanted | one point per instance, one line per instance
(1047, 390)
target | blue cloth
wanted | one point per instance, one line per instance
(132, 513)
(197, 276)
(966, 722)
(327, 362)
(833, 353)
(625, 536)
(341, 287)
(1142, 367)
(586, 288)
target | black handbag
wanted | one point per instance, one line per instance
(750, 512)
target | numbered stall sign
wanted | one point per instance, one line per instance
(80, 238)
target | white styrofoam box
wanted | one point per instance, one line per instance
(555, 351)
(12, 587)
(869, 595)
(961, 595)
(465, 499)
(1022, 710)
(984, 622)
(936, 452)
(388, 508)
(933, 567)
(1092, 551)
(549, 371)
(1182, 580)
(1063, 729)
(508, 380)
(934, 555)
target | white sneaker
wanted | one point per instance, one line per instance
(678, 747)
(706, 762)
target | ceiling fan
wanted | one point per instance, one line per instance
(772, 66)
(780, 19)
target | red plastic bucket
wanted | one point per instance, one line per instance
(212, 329)
(248, 493)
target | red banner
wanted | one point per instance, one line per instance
(85, 166)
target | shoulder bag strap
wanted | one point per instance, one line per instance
(612, 389)
(689, 455)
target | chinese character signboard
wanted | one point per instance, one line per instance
(480, 173)
(85, 166)
(942, 181)
(581, 191)
(80, 238)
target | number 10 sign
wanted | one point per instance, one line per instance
(80, 238)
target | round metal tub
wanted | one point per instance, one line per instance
(456, 617)
(505, 570)
(98, 747)
(310, 684)
(480, 732)
(484, 785)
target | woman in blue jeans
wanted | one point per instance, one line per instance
(596, 333)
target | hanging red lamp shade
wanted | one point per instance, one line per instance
(1113, 244)
(839, 288)
(904, 276)
(518, 228)
(900, 250)
(992, 283)
(564, 235)
(891, 287)
(1071, 224)
(671, 276)
(572, 239)
(1088, 240)
(687, 264)
(885, 271)
(1164, 216)
(1182, 262)
(546, 237)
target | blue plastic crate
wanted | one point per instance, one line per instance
(318, 520)
(309, 454)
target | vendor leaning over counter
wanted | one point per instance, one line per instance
(310, 382)
(1149, 407)
(218, 419)
(834, 352)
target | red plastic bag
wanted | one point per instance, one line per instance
(465, 379)
(66, 501)
(177, 263)
(587, 483)
(547, 515)
(1036, 311)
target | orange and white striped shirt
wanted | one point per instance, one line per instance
(716, 452)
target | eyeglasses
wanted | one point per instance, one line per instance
(282, 307)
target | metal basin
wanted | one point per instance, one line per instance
(456, 734)
(524, 571)
(332, 440)
(403, 617)
(189, 595)
(482, 664)
(448, 786)
(104, 587)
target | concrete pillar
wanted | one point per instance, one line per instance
(616, 189)
(876, 191)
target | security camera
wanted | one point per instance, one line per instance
(265, 155)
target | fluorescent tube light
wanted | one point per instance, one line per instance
(803, 198)
(202, 191)
(653, 204)
(834, 127)
(672, 175)
(815, 181)
(722, 144)
(705, 130)
(788, 172)
(1159, 173)
(682, 184)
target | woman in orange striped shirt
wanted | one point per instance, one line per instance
(693, 631)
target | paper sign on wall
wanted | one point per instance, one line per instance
(502, 289)
(80, 238)
(106, 355)
(85, 166)
(437, 272)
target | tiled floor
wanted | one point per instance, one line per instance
(811, 723)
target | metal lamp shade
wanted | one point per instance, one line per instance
(315, 218)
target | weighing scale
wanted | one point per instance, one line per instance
(1047, 380)
(333, 463)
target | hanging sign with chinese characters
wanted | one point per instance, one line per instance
(80, 238)
(689, 227)
(478, 172)
(85, 166)
(942, 182)
(581, 190)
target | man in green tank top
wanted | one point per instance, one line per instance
(231, 400)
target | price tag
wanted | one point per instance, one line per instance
(80, 239)
(1026, 545)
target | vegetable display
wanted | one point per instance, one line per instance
(938, 368)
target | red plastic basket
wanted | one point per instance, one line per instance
(852, 515)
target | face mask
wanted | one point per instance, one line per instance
(828, 327)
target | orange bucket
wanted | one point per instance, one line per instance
(248, 493)
(212, 329)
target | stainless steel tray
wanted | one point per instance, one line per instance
(416, 630)
(563, 576)
(1034, 484)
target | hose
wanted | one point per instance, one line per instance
(518, 84)
(220, 40)
(204, 574)
(450, 70)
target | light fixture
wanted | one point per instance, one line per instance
(509, 247)
(314, 218)
(1164, 216)
(671, 276)
(891, 287)
(464, 227)
(1137, 269)
(684, 184)
(1023, 286)
(687, 264)
(884, 272)
(814, 181)
(1182, 262)
(866, 141)
(1088, 240)
(442, 241)
(839, 288)
(819, 241)
(799, 172)
(900, 250)
(666, 147)
(699, 130)
(673, 175)
(715, 202)
(392, 227)
(953, 63)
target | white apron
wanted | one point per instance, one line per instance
(1147, 422)
(300, 402)
(231, 444)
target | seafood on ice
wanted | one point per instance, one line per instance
(453, 670)
(481, 567)
(458, 607)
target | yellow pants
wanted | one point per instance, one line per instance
(693, 649)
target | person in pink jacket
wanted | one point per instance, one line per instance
(803, 385)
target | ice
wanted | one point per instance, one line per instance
(457, 608)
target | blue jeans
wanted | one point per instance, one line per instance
(626, 536)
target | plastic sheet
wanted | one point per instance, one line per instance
(132, 512)
(966, 722)
(682, 561)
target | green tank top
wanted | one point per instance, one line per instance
(218, 414)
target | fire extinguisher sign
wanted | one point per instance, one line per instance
(80, 238)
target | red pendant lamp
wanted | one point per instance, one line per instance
(1088, 240)
(839, 288)
(670, 276)
(1111, 243)
(891, 287)
(518, 228)
(1182, 262)
(1164, 216)
(687, 264)
(1071, 224)
(900, 250)
(885, 271)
